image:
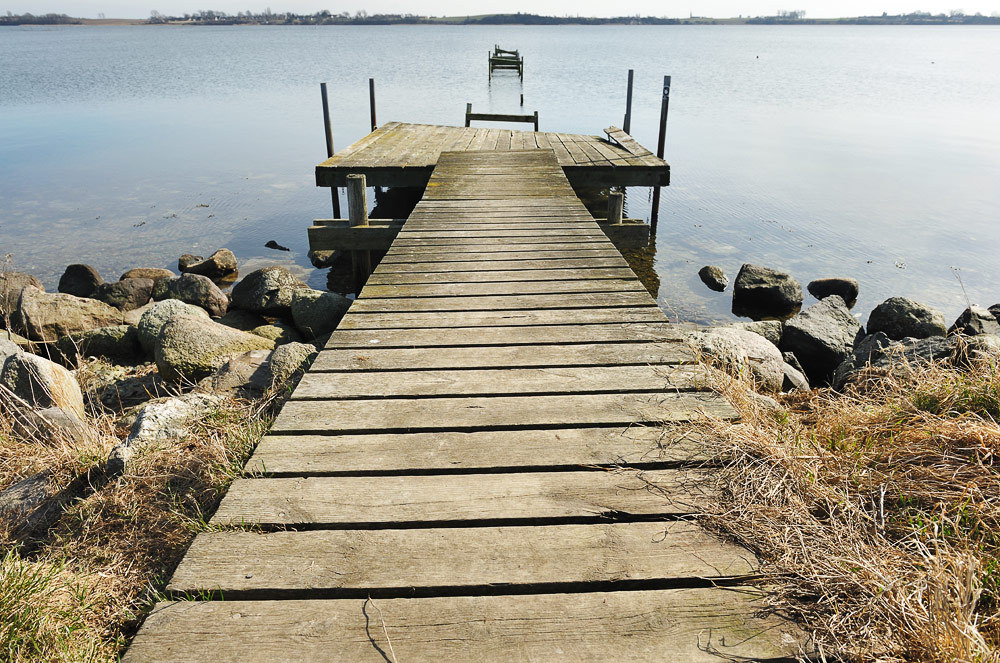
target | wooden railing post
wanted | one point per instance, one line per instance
(627, 124)
(371, 101)
(616, 206)
(334, 191)
(468, 113)
(536, 120)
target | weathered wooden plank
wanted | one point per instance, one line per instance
(333, 564)
(503, 318)
(514, 356)
(643, 332)
(503, 381)
(497, 276)
(405, 501)
(507, 288)
(507, 252)
(450, 451)
(427, 414)
(371, 305)
(669, 626)
(501, 265)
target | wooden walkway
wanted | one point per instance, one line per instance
(402, 154)
(491, 460)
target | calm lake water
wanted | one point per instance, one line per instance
(871, 152)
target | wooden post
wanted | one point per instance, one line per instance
(616, 206)
(627, 124)
(357, 215)
(660, 142)
(536, 120)
(468, 112)
(371, 101)
(334, 191)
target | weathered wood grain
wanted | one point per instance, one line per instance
(553, 448)
(503, 318)
(498, 276)
(330, 564)
(375, 291)
(667, 626)
(405, 501)
(375, 306)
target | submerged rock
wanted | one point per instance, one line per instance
(193, 289)
(79, 280)
(220, 264)
(190, 348)
(821, 337)
(760, 292)
(271, 244)
(187, 260)
(899, 318)
(713, 277)
(50, 316)
(267, 291)
(743, 352)
(845, 288)
(975, 320)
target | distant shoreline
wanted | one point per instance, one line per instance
(360, 18)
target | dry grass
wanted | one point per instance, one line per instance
(80, 592)
(876, 512)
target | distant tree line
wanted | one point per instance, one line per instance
(44, 19)
(267, 17)
(956, 17)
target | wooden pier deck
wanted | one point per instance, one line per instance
(491, 460)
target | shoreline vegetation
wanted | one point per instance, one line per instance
(211, 17)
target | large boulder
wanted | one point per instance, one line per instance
(49, 316)
(764, 293)
(80, 280)
(743, 353)
(193, 289)
(53, 423)
(125, 295)
(158, 314)
(152, 273)
(899, 318)
(845, 288)
(769, 329)
(119, 343)
(35, 503)
(713, 277)
(267, 291)
(881, 352)
(995, 310)
(315, 312)
(257, 371)
(242, 320)
(41, 383)
(975, 320)
(279, 332)
(289, 359)
(187, 260)
(821, 337)
(190, 348)
(220, 264)
(11, 285)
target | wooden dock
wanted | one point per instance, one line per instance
(491, 460)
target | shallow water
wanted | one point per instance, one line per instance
(871, 152)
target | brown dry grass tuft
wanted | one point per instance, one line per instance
(80, 592)
(877, 511)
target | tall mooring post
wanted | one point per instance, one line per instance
(371, 101)
(627, 122)
(660, 142)
(334, 191)
(357, 215)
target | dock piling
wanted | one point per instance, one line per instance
(627, 123)
(357, 215)
(616, 207)
(660, 142)
(334, 191)
(371, 101)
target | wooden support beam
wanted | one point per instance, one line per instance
(339, 235)
(499, 117)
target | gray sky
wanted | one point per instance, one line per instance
(673, 8)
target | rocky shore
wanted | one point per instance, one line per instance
(153, 349)
(788, 348)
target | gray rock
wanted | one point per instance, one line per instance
(135, 315)
(158, 314)
(881, 352)
(279, 332)
(821, 337)
(267, 291)
(767, 404)
(247, 374)
(769, 329)
(79, 280)
(713, 277)
(271, 244)
(220, 264)
(33, 504)
(125, 295)
(190, 348)
(242, 320)
(193, 289)
(975, 320)
(55, 422)
(16, 339)
(793, 361)
(899, 318)
(11, 284)
(152, 273)
(158, 422)
(316, 312)
(794, 380)
(763, 293)
(119, 343)
(187, 260)
(48, 317)
(323, 259)
(845, 288)
(8, 348)
(995, 310)
(289, 359)
(127, 392)
(970, 349)
(743, 353)
(41, 383)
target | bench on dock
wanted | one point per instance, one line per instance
(503, 59)
(499, 117)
